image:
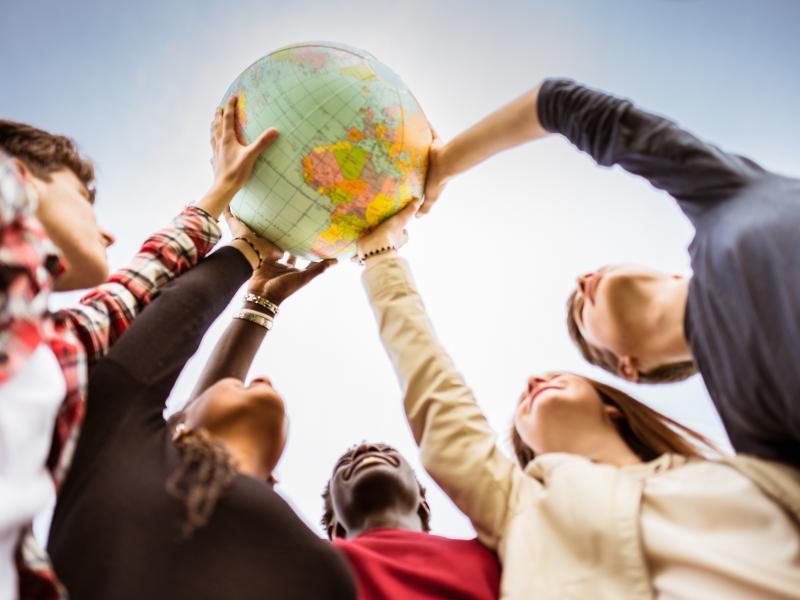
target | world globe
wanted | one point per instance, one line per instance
(352, 150)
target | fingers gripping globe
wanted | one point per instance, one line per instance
(352, 150)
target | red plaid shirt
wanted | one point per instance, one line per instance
(78, 337)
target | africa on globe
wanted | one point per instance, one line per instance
(352, 150)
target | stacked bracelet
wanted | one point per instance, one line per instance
(263, 302)
(375, 252)
(256, 317)
(255, 249)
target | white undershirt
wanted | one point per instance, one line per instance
(29, 402)
(709, 532)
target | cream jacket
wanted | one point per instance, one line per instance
(565, 527)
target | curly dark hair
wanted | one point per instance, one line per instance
(205, 470)
(44, 153)
(328, 520)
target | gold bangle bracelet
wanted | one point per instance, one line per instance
(261, 301)
(255, 317)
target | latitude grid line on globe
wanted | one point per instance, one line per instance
(286, 107)
(357, 134)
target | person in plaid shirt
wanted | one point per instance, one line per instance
(50, 241)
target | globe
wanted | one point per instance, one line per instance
(352, 150)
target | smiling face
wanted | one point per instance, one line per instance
(253, 413)
(372, 479)
(557, 408)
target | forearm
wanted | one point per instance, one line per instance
(233, 354)
(457, 445)
(168, 333)
(511, 125)
(217, 199)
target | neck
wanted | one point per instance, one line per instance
(667, 341)
(604, 446)
(388, 519)
(247, 455)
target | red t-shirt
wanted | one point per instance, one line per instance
(392, 564)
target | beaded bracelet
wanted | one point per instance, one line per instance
(261, 301)
(376, 252)
(253, 246)
(255, 317)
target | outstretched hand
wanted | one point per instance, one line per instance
(389, 234)
(437, 176)
(277, 281)
(231, 157)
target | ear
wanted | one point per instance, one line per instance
(22, 169)
(627, 369)
(424, 509)
(612, 412)
(335, 530)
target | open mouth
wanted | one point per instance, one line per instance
(370, 459)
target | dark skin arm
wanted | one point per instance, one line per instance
(236, 349)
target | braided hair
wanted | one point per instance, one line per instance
(206, 468)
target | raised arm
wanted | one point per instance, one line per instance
(612, 130)
(457, 446)
(108, 310)
(269, 286)
(615, 131)
(511, 125)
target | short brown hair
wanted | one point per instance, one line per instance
(44, 153)
(647, 432)
(610, 361)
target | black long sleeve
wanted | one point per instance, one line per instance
(615, 132)
(116, 530)
(169, 331)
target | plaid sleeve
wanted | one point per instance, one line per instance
(28, 264)
(107, 311)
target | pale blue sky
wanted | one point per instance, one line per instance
(136, 84)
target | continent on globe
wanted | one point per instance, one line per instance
(352, 150)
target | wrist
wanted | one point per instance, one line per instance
(248, 251)
(380, 251)
(217, 198)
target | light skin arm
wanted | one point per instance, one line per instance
(511, 125)
(232, 158)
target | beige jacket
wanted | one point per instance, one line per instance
(565, 527)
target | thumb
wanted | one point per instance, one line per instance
(409, 210)
(264, 140)
(318, 268)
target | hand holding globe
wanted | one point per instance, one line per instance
(352, 151)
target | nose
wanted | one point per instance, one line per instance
(108, 238)
(535, 381)
(365, 448)
(583, 280)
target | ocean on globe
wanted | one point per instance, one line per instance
(352, 150)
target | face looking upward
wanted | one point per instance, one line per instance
(558, 410)
(253, 416)
(66, 211)
(619, 308)
(372, 479)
